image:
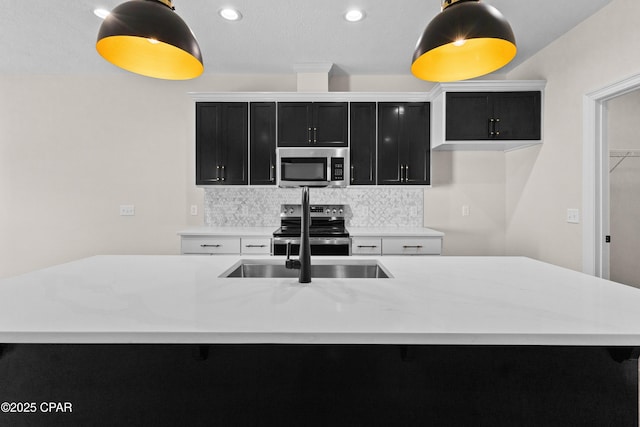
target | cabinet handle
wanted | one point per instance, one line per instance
(255, 246)
(210, 246)
(401, 173)
(223, 173)
(315, 135)
(406, 173)
(217, 173)
(271, 173)
(368, 246)
(497, 127)
(412, 246)
(492, 126)
(352, 173)
(309, 135)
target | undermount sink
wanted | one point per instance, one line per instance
(342, 269)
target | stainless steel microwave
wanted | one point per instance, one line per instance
(313, 167)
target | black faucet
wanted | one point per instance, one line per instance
(304, 259)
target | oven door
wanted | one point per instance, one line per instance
(319, 245)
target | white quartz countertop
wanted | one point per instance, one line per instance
(229, 231)
(429, 300)
(353, 231)
(393, 232)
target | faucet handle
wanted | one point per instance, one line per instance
(291, 263)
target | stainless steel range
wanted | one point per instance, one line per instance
(327, 232)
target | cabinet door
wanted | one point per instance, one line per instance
(294, 124)
(389, 136)
(210, 245)
(208, 116)
(363, 143)
(517, 115)
(411, 245)
(366, 246)
(468, 116)
(404, 148)
(263, 143)
(221, 143)
(416, 146)
(330, 124)
(234, 143)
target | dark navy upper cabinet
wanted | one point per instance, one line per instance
(363, 143)
(404, 149)
(323, 124)
(493, 116)
(262, 145)
(221, 143)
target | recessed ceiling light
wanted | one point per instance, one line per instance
(230, 14)
(354, 15)
(101, 13)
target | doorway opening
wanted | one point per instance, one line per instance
(596, 175)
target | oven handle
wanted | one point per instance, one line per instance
(313, 240)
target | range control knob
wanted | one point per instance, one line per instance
(290, 211)
(340, 211)
(334, 211)
(328, 211)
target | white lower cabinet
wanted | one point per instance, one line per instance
(411, 246)
(255, 246)
(210, 245)
(366, 246)
(396, 245)
(216, 245)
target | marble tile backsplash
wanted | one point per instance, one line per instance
(260, 207)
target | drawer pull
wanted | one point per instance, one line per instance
(368, 246)
(412, 246)
(210, 246)
(255, 246)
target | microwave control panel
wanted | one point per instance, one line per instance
(337, 169)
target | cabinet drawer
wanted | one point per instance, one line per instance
(411, 246)
(256, 245)
(366, 246)
(210, 245)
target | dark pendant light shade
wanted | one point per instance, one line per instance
(467, 39)
(147, 37)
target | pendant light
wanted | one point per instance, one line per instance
(466, 39)
(147, 37)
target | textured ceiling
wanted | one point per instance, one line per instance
(47, 37)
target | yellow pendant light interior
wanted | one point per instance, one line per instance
(467, 39)
(147, 37)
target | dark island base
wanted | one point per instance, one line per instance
(318, 385)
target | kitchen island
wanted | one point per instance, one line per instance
(429, 300)
(451, 341)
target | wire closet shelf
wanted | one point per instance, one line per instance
(621, 155)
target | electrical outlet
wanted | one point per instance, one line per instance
(573, 216)
(465, 210)
(194, 210)
(127, 210)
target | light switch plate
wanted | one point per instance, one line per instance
(127, 210)
(194, 210)
(573, 216)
